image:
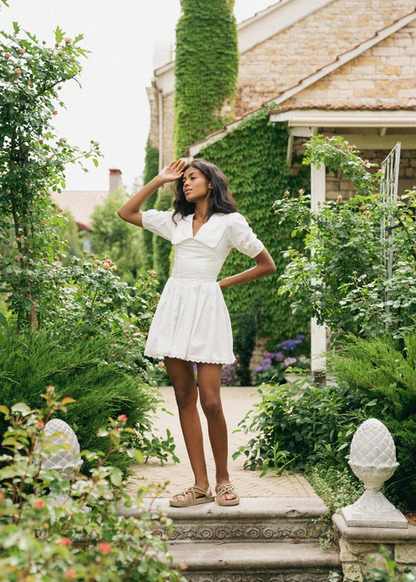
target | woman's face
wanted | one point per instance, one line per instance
(195, 185)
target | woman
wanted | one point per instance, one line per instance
(191, 323)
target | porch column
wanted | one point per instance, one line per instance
(318, 332)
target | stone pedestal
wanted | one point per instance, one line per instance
(360, 547)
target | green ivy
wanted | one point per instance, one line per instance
(161, 246)
(206, 69)
(253, 157)
(151, 169)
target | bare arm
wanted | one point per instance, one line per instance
(130, 211)
(265, 266)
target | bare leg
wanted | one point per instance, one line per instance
(181, 375)
(209, 381)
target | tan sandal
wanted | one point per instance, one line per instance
(224, 488)
(191, 498)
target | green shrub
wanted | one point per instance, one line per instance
(341, 276)
(336, 487)
(302, 423)
(90, 370)
(385, 369)
(116, 239)
(83, 540)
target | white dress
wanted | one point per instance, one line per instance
(191, 321)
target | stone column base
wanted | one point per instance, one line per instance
(360, 548)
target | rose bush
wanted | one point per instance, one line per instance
(341, 276)
(86, 539)
(33, 159)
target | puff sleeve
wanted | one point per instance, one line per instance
(242, 237)
(159, 222)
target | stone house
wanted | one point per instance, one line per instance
(338, 67)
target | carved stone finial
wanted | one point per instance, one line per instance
(373, 460)
(63, 460)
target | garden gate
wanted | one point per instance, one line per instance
(389, 189)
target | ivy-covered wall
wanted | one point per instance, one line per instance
(151, 169)
(206, 69)
(161, 246)
(253, 157)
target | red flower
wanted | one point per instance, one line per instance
(65, 541)
(104, 548)
(122, 418)
(70, 575)
(38, 504)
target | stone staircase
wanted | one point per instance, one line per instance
(260, 540)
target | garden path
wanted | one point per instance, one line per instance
(237, 401)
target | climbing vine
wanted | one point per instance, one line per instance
(206, 69)
(151, 168)
(161, 246)
(253, 157)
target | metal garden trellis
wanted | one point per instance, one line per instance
(389, 189)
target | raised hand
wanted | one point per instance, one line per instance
(172, 171)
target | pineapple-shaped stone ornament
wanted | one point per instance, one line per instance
(373, 460)
(63, 460)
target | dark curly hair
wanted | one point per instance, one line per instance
(220, 199)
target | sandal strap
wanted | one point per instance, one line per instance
(224, 488)
(192, 492)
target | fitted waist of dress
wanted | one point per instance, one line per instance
(192, 280)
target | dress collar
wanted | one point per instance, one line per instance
(209, 233)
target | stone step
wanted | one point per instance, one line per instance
(253, 562)
(253, 520)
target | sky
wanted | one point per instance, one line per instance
(112, 106)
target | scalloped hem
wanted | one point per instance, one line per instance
(196, 361)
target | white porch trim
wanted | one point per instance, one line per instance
(400, 118)
(318, 332)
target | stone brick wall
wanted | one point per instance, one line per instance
(154, 120)
(383, 75)
(283, 60)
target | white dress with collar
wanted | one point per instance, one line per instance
(191, 321)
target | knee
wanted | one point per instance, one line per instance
(185, 396)
(212, 407)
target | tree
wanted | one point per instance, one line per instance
(117, 239)
(32, 159)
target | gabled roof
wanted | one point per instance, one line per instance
(265, 24)
(345, 57)
(80, 204)
(340, 60)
